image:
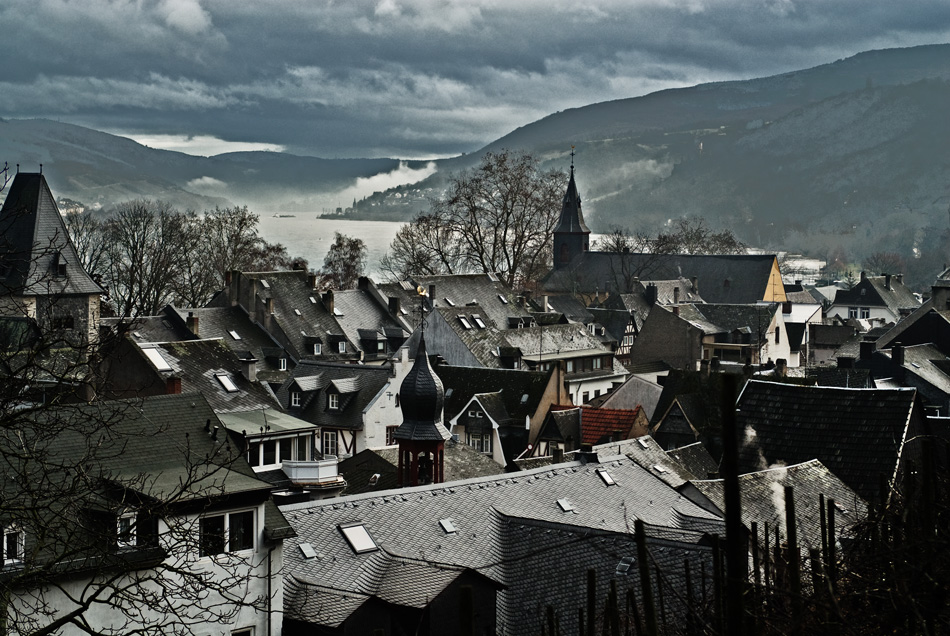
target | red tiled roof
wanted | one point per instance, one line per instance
(596, 423)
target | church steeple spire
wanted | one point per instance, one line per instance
(572, 236)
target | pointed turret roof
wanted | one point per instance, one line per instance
(421, 398)
(36, 255)
(572, 219)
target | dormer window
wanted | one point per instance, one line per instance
(282, 364)
(59, 264)
(333, 401)
(317, 348)
(381, 346)
(343, 346)
(295, 398)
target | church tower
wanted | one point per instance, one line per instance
(421, 436)
(572, 236)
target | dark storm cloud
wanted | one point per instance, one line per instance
(405, 78)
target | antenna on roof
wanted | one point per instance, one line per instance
(41, 168)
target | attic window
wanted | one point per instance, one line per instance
(465, 322)
(155, 357)
(565, 505)
(265, 284)
(297, 311)
(358, 537)
(307, 550)
(313, 301)
(449, 301)
(605, 477)
(503, 299)
(234, 335)
(478, 321)
(226, 382)
(447, 526)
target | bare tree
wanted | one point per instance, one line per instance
(344, 262)
(499, 218)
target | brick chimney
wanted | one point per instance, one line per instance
(192, 322)
(650, 294)
(887, 282)
(312, 281)
(676, 295)
(172, 385)
(394, 305)
(867, 348)
(328, 300)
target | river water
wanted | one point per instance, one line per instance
(311, 237)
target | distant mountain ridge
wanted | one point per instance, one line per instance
(839, 160)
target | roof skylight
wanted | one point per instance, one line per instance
(465, 322)
(227, 382)
(478, 321)
(502, 299)
(155, 357)
(265, 284)
(297, 311)
(358, 537)
(643, 442)
(565, 505)
(308, 551)
(447, 526)
(605, 477)
(234, 334)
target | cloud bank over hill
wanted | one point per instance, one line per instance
(403, 78)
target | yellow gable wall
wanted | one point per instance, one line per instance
(775, 290)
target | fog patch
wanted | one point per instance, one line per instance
(403, 175)
(206, 183)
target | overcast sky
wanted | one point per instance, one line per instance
(402, 78)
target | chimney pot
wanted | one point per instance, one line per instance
(676, 295)
(312, 281)
(192, 323)
(887, 281)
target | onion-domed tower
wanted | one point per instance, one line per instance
(421, 436)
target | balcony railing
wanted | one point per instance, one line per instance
(316, 472)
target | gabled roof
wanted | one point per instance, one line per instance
(597, 425)
(858, 434)
(485, 513)
(756, 318)
(696, 459)
(34, 241)
(763, 499)
(879, 291)
(357, 311)
(722, 278)
(314, 377)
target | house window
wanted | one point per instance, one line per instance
(317, 348)
(63, 323)
(778, 334)
(585, 397)
(865, 312)
(226, 533)
(329, 442)
(125, 530)
(480, 441)
(270, 452)
(391, 435)
(343, 346)
(381, 346)
(254, 454)
(852, 312)
(295, 398)
(598, 362)
(333, 401)
(247, 631)
(285, 448)
(12, 546)
(303, 448)
(570, 366)
(282, 364)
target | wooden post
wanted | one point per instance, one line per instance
(794, 558)
(737, 555)
(831, 564)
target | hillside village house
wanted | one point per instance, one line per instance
(879, 299)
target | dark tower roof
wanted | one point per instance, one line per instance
(421, 397)
(572, 219)
(36, 255)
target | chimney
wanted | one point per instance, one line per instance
(362, 283)
(394, 306)
(864, 276)
(192, 322)
(432, 295)
(887, 282)
(650, 294)
(676, 310)
(695, 281)
(866, 349)
(172, 385)
(676, 295)
(312, 281)
(269, 304)
(249, 369)
(557, 456)
(897, 354)
(900, 278)
(328, 300)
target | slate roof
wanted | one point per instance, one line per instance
(199, 363)
(572, 218)
(219, 322)
(730, 318)
(879, 291)
(34, 240)
(405, 524)
(573, 309)
(460, 462)
(422, 399)
(460, 289)
(149, 329)
(763, 500)
(696, 459)
(357, 311)
(313, 378)
(722, 278)
(858, 434)
(461, 383)
(840, 377)
(635, 391)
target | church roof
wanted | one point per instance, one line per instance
(36, 255)
(421, 400)
(572, 219)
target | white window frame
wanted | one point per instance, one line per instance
(865, 312)
(342, 347)
(317, 348)
(482, 442)
(333, 401)
(130, 533)
(852, 312)
(227, 532)
(326, 443)
(20, 544)
(282, 364)
(295, 398)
